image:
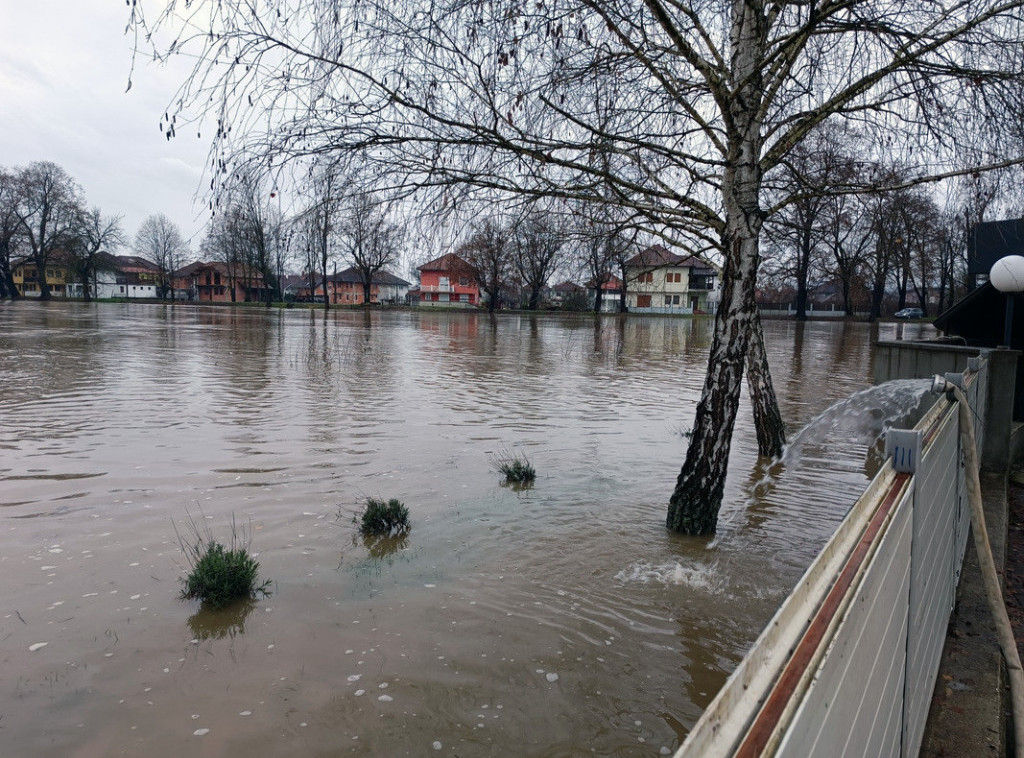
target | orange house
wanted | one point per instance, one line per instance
(215, 282)
(448, 281)
(346, 288)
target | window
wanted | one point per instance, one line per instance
(668, 300)
(216, 277)
(675, 300)
(650, 277)
(463, 281)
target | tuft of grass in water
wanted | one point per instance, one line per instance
(218, 573)
(515, 468)
(381, 518)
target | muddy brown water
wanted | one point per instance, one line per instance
(560, 620)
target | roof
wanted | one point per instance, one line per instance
(134, 261)
(291, 281)
(447, 262)
(657, 256)
(239, 273)
(609, 282)
(979, 317)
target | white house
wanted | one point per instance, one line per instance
(660, 281)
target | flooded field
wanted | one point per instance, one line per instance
(560, 620)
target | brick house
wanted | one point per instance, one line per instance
(448, 281)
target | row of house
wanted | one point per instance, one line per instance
(657, 281)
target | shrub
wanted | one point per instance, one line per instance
(516, 469)
(219, 574)
(380, 518)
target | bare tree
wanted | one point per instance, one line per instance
(799, 229)
(848, 238)
(48, 206)
(372, 242)
(159, 240)
(537, 243)
(255, 221)
(714, 95)
(326, 184)
(10, 229)
(96, 234)
(488, 251)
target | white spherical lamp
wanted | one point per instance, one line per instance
(1007, 274)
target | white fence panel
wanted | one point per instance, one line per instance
(862, 686)
(852, 707)
(934, 574)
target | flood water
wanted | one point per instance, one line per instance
(560, 620)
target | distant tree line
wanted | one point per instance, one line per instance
(905, 247)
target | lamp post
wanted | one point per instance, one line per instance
(1007, 276)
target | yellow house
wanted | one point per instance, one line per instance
(27, 279)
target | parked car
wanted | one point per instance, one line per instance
(910, 313)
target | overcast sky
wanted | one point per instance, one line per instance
(64, 68)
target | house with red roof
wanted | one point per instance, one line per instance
(448, 281)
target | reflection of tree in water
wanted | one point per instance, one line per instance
(210, 624)
(382, 547)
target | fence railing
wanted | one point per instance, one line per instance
(848, 664)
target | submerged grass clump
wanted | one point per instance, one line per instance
(219, 574)
(383, 518)
(516, 468)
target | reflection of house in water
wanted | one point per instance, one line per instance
(453, 326)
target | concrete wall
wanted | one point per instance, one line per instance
(914, 360)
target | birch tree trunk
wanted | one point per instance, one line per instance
(697, 498)
(771, 432)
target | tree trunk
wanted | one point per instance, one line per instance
(771, 432)
(803, 264)
(323, 271)
(366, 291)
(694, 505)
(44, 286)
(697, 498)
(7, 288)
